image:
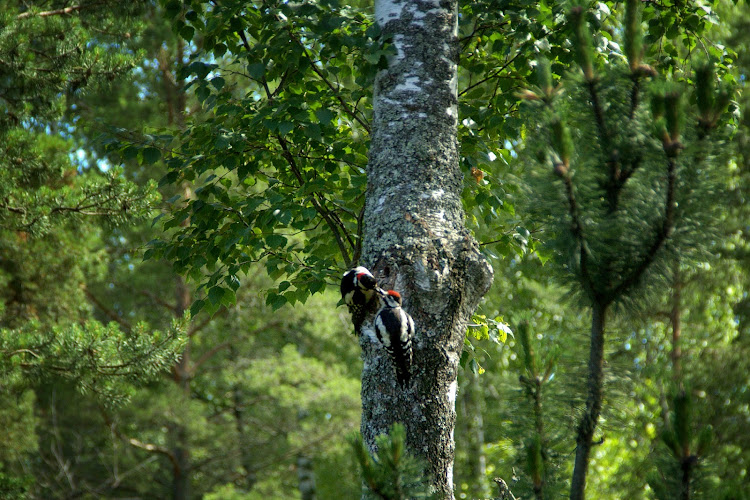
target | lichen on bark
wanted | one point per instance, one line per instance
(415, 238)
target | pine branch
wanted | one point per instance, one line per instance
(661, 237)
(58, 12)
(577, 230)
(612, 184)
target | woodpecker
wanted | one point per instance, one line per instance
(394, 329)
(358, 291)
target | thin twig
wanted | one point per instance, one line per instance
(57, 12)
(335, 91)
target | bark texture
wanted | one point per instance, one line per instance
(415, 240)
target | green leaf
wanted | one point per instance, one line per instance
(275, 300)
(218, 82)
(285, 127)
(324, 115)
(317, 286)
(256, 70)
(216, 294)
(276, 241)
(196, 307)
(187, 32)
(151, 155)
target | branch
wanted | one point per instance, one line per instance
(57, 12)
(360, 228)
(335, 91)
(333, 224)
(106, 310)
(577, 230)
(611, 184)
(200, 326)
(158, 300)
(634, 95)
(505, 493)
(207, 355)
(319, 207)
(295, 451)
(154, 449)
(15, 210)
(491, 76)
(140, 444)
(661, 235)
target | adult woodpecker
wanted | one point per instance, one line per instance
(394, 328)
(358, 291)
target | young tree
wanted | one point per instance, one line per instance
(54, 210)
(628, 200)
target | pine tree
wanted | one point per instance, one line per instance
(632, 165)
(392, 473)
(53, 211)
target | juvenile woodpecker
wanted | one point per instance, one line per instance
(395, 331)
(358, 292)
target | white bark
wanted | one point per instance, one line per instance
(415, 240)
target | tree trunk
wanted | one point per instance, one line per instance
(178, 431)
(590, 418)
(473, 402)
(306, 477)
(687, 469)
(415, 240)
(176, 99)
(250, 476)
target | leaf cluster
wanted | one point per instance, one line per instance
(279, 151)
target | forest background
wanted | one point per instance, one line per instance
(131, 127)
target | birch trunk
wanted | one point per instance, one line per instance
(415, 240)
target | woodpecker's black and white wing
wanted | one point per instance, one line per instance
(394, 329)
